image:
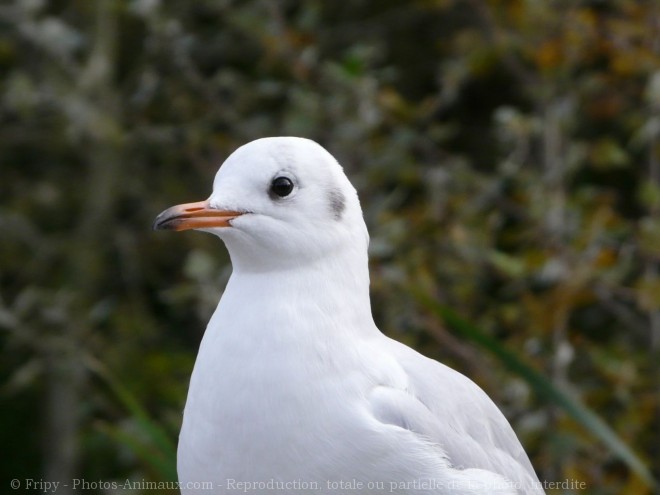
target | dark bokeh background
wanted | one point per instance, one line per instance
(507, 158)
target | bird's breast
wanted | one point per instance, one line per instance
(263, 408)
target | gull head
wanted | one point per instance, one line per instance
(278, 202)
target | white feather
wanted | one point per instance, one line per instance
(295, 384)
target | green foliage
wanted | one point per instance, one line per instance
(149, 441)
(507, 159)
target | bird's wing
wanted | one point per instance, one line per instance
(447, 408)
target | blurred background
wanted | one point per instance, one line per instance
(506, 153)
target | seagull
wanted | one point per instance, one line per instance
(295, 389)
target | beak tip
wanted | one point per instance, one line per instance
(157, 224)
(164, 224)
(165, 221)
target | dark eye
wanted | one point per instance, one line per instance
(281, 186)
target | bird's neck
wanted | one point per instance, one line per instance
(327, 296)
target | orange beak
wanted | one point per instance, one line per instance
(193, 216)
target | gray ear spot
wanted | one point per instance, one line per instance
(337, 202)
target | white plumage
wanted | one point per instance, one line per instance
(295, 390)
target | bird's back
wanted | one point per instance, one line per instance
(454, 412)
